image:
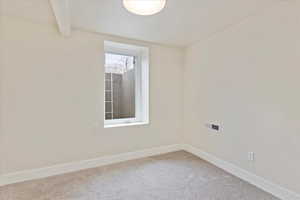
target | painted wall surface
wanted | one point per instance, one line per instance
(247, 79)
(52, 98)
(1, 63)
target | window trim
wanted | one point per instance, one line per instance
(141, 55)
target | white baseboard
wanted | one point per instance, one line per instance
(259, 182)
(85, 164)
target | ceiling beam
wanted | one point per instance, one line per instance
(61, 11)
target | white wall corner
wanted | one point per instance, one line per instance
(259, 182)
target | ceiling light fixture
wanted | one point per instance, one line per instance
(144, 7)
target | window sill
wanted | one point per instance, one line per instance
(125, 124)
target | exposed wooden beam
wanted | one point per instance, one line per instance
(61, 11)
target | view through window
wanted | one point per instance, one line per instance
(120, 84)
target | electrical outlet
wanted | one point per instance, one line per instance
(212, 126)
(215, 127)
(251, 156)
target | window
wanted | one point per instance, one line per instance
(126, 84)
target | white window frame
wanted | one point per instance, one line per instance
(141, 55)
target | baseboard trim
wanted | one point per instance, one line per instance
(259, 182)
(27, 175)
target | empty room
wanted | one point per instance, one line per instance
(149, 100)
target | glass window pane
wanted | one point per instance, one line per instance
(107, 96)
(108, 107)
(120, 74)
(107, 76)
(108, 116)
(107, 85)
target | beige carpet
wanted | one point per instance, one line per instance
(173, 176)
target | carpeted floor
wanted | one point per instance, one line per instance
(173, 176)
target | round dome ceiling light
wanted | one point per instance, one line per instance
(144, 7)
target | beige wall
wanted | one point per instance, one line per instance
(247, 78)
(52, 98)
(1, 60)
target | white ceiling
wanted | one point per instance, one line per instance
(181, 23)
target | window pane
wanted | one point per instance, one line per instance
(119, 86)
(107, 76)
(108, 116)
(108, 107)
(107, 85)
(107, 96)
